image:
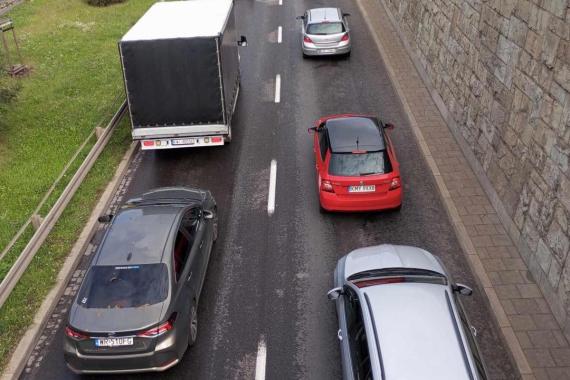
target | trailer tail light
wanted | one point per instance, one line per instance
(395, 184)
(160, 329)
(345, 37)
(327, 186)
(74, 334)
(148, 143)
(307, 40)
(216, 139)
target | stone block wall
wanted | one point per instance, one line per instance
(502, 70)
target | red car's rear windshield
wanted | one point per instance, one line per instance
(359, 164)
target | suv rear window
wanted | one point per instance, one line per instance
(325, 28)
(122, 286)
(359, 164)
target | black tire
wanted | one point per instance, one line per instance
(322, 210)
(193, 328)
(215, 225)
(347, 55)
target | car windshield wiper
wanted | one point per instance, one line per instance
(369, 173)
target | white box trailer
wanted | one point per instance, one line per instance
(181, 71)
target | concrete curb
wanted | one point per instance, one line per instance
(460, 230)
(27, 343)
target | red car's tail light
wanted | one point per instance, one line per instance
(395, 184)
(160, 329)
(74, 334)
(379, 281)
(345, 37)
(307, 40)
(327, 186)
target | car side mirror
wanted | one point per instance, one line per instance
(389, 126)
(242, 41)
(311, 129)
(345, 14)
(300, 17)
(105, 218)
(333, 294)
(464, 290)
(208, 214)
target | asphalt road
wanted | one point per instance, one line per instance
(268, 275)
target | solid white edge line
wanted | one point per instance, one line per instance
(261, 360)
(279, 35)
(277, 88)
(272, 183)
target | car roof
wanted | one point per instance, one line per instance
(417, 332)
(386, 256)
(324, 14)
(140, 231)
(348, 134)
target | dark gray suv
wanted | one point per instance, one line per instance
(136, 310)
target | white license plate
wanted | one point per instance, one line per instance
(362, 189)
(114, 342)
(183, 141)
(327, 51)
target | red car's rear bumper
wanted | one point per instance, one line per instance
(361, 202)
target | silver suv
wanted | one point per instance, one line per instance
(325, 32)
(400, 318)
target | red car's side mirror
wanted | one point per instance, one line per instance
(312, 129)
(389, 126)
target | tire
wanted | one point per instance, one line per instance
(193, 328)
(322, 210)
(215, 225)
(347, 55)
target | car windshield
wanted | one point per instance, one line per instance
(325, 28)
(108, 286)
(358, 164)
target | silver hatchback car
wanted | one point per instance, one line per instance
(325, 32)
(400, 318)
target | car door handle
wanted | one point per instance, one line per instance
(189, 276)
(201, 243)
(339, 334)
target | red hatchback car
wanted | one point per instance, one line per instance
(356, 164)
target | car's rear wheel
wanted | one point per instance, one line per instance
(215, 224)
(193, 328)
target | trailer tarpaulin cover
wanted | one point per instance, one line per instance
(172, 81)
(230, 64)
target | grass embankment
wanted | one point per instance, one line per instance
(73, 86)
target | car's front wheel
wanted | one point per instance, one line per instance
(193, 328)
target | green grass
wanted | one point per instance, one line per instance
(20, 308)
(74, 84)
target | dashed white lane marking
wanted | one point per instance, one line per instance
(279, 35)
(277, 88)
(272, 182)
(261, 360)
(280, 2)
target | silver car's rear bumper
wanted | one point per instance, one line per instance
(316, 51)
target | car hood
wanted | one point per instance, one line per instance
(390, 256)
(98, 320)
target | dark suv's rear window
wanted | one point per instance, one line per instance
(121, 286)
(325, 28)
(359, 164)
